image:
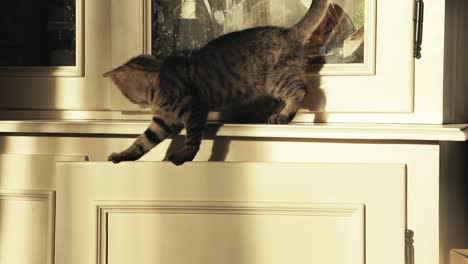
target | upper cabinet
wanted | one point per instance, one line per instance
(41, 39)
(361, 58)
(53, 54)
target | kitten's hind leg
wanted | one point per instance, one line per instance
(195, 122)
(292, 104)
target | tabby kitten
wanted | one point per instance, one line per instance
(239, 66)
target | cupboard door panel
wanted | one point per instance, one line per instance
(27, 207)
(77, 87)
(27, 227)
(233, 233)
(154, 212)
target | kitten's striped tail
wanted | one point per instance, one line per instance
(309, 23)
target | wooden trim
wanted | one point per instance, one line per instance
(147, 26)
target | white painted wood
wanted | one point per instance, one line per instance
(422, 159)
(27, 227)
(307, 131)
(30, 171)
(87, 90)
(130, 36)
(429, 88)
(436, 95)
(27, 207)
(82, 186)
(381, 92)
(147, 232)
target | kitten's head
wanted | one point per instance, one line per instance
(137, 79)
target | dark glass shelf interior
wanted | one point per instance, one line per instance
(38, 33)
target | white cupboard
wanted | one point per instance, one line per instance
(373, 167)
(231, 213)
(387, 85)
(357, 174)
(27, 207)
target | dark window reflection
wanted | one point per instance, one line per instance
(38, 33)
(183, 25)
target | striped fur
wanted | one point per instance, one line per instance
(237, 67)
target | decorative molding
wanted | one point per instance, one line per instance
(25, 195)
(57, 71)
(456, 132)
(41, 196)
(146, 18)
(104, 209)
(144, 29)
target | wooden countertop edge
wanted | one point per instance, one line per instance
(456, 132)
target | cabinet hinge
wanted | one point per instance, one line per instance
(418, 28)
(409, 244)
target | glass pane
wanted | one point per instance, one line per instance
(37, 33)
(179, 26)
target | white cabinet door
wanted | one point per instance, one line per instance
(27, 206)
(239, 213)
(379, 79)
(74, 87)
(384, 81)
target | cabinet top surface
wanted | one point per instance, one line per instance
(455, 132)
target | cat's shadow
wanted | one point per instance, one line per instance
(313, 108)
(219, 149)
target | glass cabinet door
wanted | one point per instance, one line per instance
(187, 25)
(190, 25)
(42, 58)
(39, 37)
(365, 51)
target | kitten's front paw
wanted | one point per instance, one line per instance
(115, 157)
(180, 157)
(279, 119)
(177, 159)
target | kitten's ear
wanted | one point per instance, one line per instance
(112, 73)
